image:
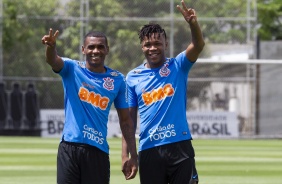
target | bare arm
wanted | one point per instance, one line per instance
(125, 151)
(129, 165)
(52, 58)
(196, 46)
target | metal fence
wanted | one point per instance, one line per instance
(229, 28)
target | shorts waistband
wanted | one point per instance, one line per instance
(79, 144)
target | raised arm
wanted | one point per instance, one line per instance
(52, 58)
(196, 46)
(129, 164)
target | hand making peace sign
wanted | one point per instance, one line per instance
(189, 14)
(50, 39)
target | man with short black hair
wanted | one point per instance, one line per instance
(90, 89)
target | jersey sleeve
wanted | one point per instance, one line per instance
(183, 61)
(68, 64)
(121, 101)
(132, 97)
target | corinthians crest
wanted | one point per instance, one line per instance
(164, 71)
(108, 83)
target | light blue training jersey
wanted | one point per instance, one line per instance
(88, 99)
(160, 95)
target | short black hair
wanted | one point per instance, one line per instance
(96, 34)
(150, 28)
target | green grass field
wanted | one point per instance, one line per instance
(29, 160)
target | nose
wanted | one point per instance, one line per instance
(152, 47)
(95, 50)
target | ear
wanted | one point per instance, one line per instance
(108, 49)
(166, 45)
(82, 49)
(143, 48)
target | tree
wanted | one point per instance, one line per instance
(270, 19)
(23, 52)
(22, 35)
(25, 22)
(122, 35)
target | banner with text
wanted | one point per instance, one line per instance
(213, 124)
(52, 123)
(201, 124)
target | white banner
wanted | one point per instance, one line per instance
(52, 123)
(213, 124)
(201, 124)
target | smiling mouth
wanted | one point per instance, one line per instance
(95, 57)
(153, 55)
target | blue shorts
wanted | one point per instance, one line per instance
(80, 164)
(171, 163)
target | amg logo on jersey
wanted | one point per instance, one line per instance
(157, 94)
